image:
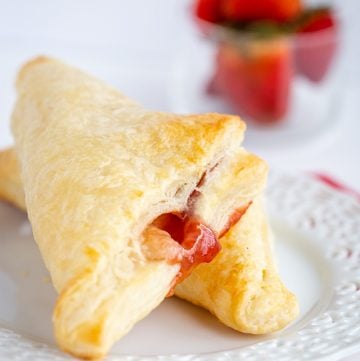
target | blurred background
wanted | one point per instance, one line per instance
(297, 84)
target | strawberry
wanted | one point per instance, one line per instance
(256, 78)
(316, 44)
(248, 10)
(317, 20)
(208, 10)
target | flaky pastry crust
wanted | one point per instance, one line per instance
(97, 169)
(241, 286)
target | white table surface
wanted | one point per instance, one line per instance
(144, 38)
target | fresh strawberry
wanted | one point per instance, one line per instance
(317, 20)
(248, 10)
(256, 78)
(208, 10)
(316, 44)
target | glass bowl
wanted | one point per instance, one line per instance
(256, 74)
(286, 87)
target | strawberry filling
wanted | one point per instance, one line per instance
(180, 237)
(198, 243)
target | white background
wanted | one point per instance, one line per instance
(144, 38)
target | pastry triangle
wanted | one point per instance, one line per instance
(104, 182)
(241, 286)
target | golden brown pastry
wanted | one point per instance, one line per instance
(241, 285)
(11, 188)
(124, 203)
(107, 186)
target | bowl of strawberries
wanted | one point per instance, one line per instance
(263, 47)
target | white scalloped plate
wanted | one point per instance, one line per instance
(317, 234)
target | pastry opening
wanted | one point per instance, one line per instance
(173, 224)
(180, 237)
(196, 192)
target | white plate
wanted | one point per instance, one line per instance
(317, 244)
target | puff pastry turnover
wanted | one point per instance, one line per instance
(124, 203)
(241, 285)
(108, 185)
